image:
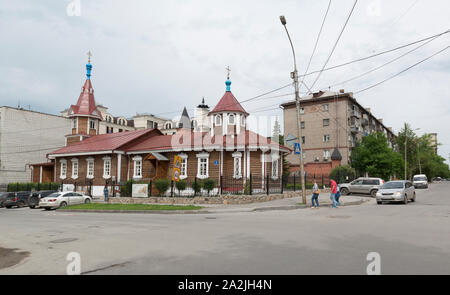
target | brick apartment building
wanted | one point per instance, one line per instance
(331, 125)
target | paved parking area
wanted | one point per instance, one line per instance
(411, 239)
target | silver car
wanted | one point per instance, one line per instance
(396, 191)
(62, 199)
(362, 185)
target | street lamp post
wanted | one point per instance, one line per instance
(294, 76)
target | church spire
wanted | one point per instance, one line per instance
(228, 82)
(89, 66)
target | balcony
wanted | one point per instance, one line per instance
(354, 129)
(355, 113)
(365, 120)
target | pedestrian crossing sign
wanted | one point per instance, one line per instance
(297, 148)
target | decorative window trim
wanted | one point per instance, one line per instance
(63, 163)
(326, 138)
(242, 120)
(75, 161)
(184, 162)
(274, 172)
(136, 160)
(237, 160)
(89, 161)
(200, 157)
(229, 119)
(220, 120)
(105, 161)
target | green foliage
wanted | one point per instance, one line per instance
(162, 185)
(343, 174)
(373, 155)
(32, 186)
(209, 184)
(126, 189)
(180, 185)
(247, 187)
(197, 186)
(298, 186)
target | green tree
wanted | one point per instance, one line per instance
(372, 155)
(343, 174)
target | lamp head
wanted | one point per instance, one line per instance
(283, 20)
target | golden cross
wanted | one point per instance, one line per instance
(89, 54)
(228, 70)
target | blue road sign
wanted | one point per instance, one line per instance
(216, 162)
(297, 148)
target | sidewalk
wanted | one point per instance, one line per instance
(281, 204)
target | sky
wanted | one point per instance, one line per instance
(159, 56)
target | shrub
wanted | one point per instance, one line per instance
(162, 185)
(180, 185)
(209, 184)
(342, 174)
(197, 186)
(126, 189)
(247, 187)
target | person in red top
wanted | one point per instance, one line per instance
(333, 191)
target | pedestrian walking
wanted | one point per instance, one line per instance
(333, 191)
(338, 194)
(315, 195)
(105, 192)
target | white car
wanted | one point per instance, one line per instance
(420, 180)
(62, 199)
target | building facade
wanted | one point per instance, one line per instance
(25, 138)
(331, 125)
(225, 149)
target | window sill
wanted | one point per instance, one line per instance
(74, 177)
(202, 176)
(90, 177)
(183, 176)
(62, 177)
(237, 176)
(106, 176)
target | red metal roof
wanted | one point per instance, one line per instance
(228, 103)
(104, 142)
(86, 102)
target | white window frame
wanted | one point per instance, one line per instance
(220, 120)
(74, 121)
(183, 166)
(325, 107)
(106, 170)
(200, 158)
(136, 160)
(326, 154)
(94, 124)
(237, 165)
(302, 111)
(242, 120)
(90, 161)
(168, 125)
(75, 161)
(230, 116)
(326, 138)
(63, 172)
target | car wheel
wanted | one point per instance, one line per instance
(8, 207)
(379, 203)
(63, 204)
(405, 199)
(87, 201)
(48, 209)
(344, 191)
(32, 206)
(373, 193)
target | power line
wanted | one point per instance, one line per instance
(383, 65)
(335, 44)
(376, 54)
(401, 72)
(317, 41)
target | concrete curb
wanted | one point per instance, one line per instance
(260, 209)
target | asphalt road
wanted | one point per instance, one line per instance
(411, 239)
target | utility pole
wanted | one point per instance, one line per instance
(406, 140)
(294, 76)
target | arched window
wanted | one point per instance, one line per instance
(231, 119)
(218, 120)
(168, 125)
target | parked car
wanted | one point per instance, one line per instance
(436, 179)
(3, 197)
(420, 180)
(396, 191)
(62, 199)
(18, 199)
(362, 185)
(33, 202)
